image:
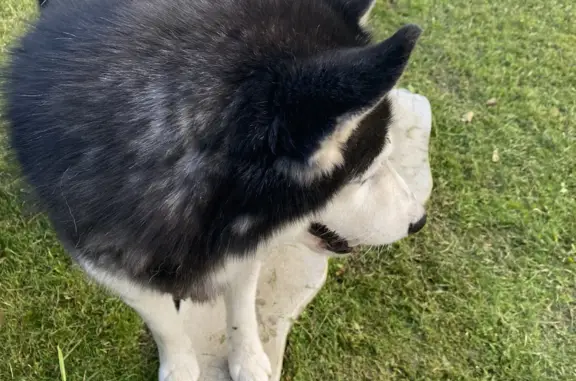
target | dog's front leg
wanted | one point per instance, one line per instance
(247, 360)
(166, 323)
(165, 320)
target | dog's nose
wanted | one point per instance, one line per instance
(417, 226)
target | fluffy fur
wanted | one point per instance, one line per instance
(171, 142)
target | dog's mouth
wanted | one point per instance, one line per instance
(330, 240)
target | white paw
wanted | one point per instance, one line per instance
(249, 362)
(182, 367)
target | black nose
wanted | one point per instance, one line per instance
(417, 226)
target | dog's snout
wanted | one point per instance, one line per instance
(417, 226)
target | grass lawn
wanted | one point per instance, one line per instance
(486, 292)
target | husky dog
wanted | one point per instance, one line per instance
(172, 143)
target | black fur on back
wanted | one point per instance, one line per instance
(149, 128)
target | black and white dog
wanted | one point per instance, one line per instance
(172, 143)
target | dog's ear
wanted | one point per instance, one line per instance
(356, 11)
(321, 101)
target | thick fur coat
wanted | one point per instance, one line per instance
(166, 139)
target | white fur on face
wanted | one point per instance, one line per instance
(378, 208)
(375, 211)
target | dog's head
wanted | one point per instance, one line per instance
(329, 118)
(385, 203)
(376, 206)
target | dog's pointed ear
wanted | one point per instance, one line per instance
(321, 101)
(354, 10)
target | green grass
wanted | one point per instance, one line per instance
(486, 292)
